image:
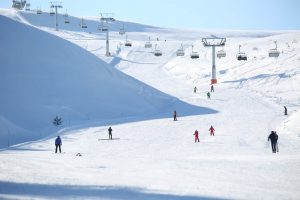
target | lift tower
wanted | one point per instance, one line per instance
(107, 17)
(213, 42)
(56, 5)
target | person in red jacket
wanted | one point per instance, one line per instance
(196, 134)
(212, 131)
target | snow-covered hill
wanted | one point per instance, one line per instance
(155, 157)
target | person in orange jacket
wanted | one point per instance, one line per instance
(212, 131)
(196, 134)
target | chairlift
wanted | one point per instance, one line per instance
(38, 11)
(148, 44)
(128, 43)
(122, 30)
(241, 55)
(274, 52)
(66, 18)
(194, 54)
(51, 12)
(157, 52)
(180, 51)
(102, 27)
(83, 24)
(221, 53)
(27, 7)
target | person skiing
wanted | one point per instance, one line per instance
(110, 133)
(175, 115)
(212, 131)
(196, 134)
(195, 89)
(208, 95)
(212, 88)
(285, 110)
(58, 144)
(273, 137)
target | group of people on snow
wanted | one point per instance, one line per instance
(208, 94)
(211, 130)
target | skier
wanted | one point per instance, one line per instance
(58, 144)
(175, 115)
(212, 131)
(195, 89)
(273, 137)
(285, 110)
(208, 95)
(212, 88)
(196, 134)
(110, 133)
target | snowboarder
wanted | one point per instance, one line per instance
(208, 95)
(212, 88)
(195, 89)
(285, 110)
(110, 133)
(58, 144)
(273, 137)
(175, 115)
(196, 134)
(212, 131)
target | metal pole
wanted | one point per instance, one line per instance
(213, 76)
(107, 43)
(56, 25)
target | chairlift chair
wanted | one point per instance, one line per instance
(128, 43)
(66, 18)
(194, 54)
(148, 44)
(221, 54)
(180, 51)
(38, 11)
(83, 24)
(27, 7)
(241, 55)
(51, 12)
(274, 52)
(157, 52)
(122, 30)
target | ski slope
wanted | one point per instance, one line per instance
(155, 157)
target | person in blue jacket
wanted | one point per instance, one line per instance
(58, 144)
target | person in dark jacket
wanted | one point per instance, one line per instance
(58, 144)
(273, 137)
(208, 95)
(212, 88)
(195, 89)
(110, 133)
(175, 115)
(285, 110)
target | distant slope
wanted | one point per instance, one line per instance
(42, 76)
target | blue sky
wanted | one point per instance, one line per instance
(191, 14)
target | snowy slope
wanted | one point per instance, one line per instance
(156, 158)
(43, 76)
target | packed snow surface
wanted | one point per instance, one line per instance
(45, 73)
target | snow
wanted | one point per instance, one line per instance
(155, 157)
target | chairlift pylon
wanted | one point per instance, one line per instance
(180, 51)
(274, 52)
(148, 44)
(194, 54)
(241, 55)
